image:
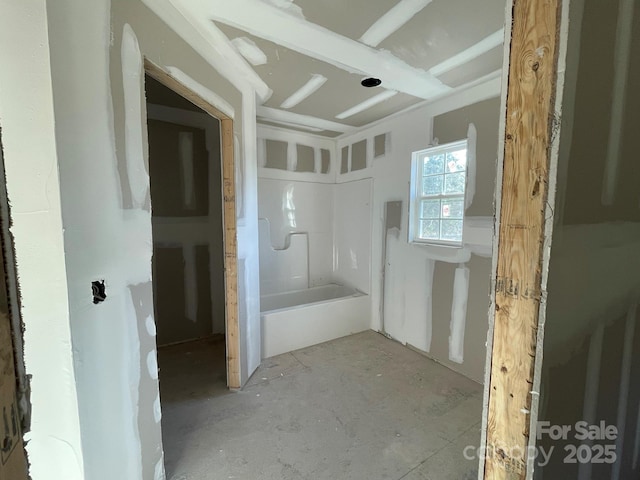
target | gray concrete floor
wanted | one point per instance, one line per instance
(361, 407)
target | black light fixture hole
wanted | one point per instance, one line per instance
(371, 82)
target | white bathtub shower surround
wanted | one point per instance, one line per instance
(283, 269)
(299, 207)
(352, 234)
(299, 319)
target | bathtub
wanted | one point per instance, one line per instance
(302, 318)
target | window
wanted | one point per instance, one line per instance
(438, 182)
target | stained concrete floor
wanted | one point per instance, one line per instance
(360, 407)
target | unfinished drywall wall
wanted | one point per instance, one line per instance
(26, 111)
(453, 126)
(426, 303)
(96, 58)
(592, 340)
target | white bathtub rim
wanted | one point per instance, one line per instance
(353, 292)
(357, 294)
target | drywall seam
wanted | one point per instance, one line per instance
(317, 160)
(132, 72)
(431, 267)
(623, 397)
(292, 118)
(190, 282)
(308, 89)
(239, 178)
(297, 126)
(250, 51)
(483, 46)
(131, 356)
(370, 151)
(214, 47)
(292, 156)
(458, 314)
(367, 104)
(621, 59)
(202, 91)
(262, 152)
(391, 21)
(472, 142)
(504, 82)
(276, 133)
(302, 177)
(185, 153)
(320, 43)
(592, 384)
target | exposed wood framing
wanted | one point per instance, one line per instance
(529, 133)
(229, 217)
(230, 254)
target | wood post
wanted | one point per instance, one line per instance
(529, 134)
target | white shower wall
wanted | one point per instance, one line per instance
(336, 219)
(352, 234)
(337, 222)
(299, 207)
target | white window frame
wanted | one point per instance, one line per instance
(416, 197)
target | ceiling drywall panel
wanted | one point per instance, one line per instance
(412, 35)
(350, 18)
(286, 71)
(479, 67)
(443, 29)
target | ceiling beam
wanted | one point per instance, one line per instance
(274, 114)
(391, 21)
(273, 24)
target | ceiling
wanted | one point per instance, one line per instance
(319, 52)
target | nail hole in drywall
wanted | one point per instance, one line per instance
(98, 290)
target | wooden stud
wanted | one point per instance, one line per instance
(229, 217)
(230, 254)
(529, 130)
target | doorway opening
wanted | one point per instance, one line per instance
(191, 168)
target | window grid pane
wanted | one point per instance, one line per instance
(432, 185)
(440, 195)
